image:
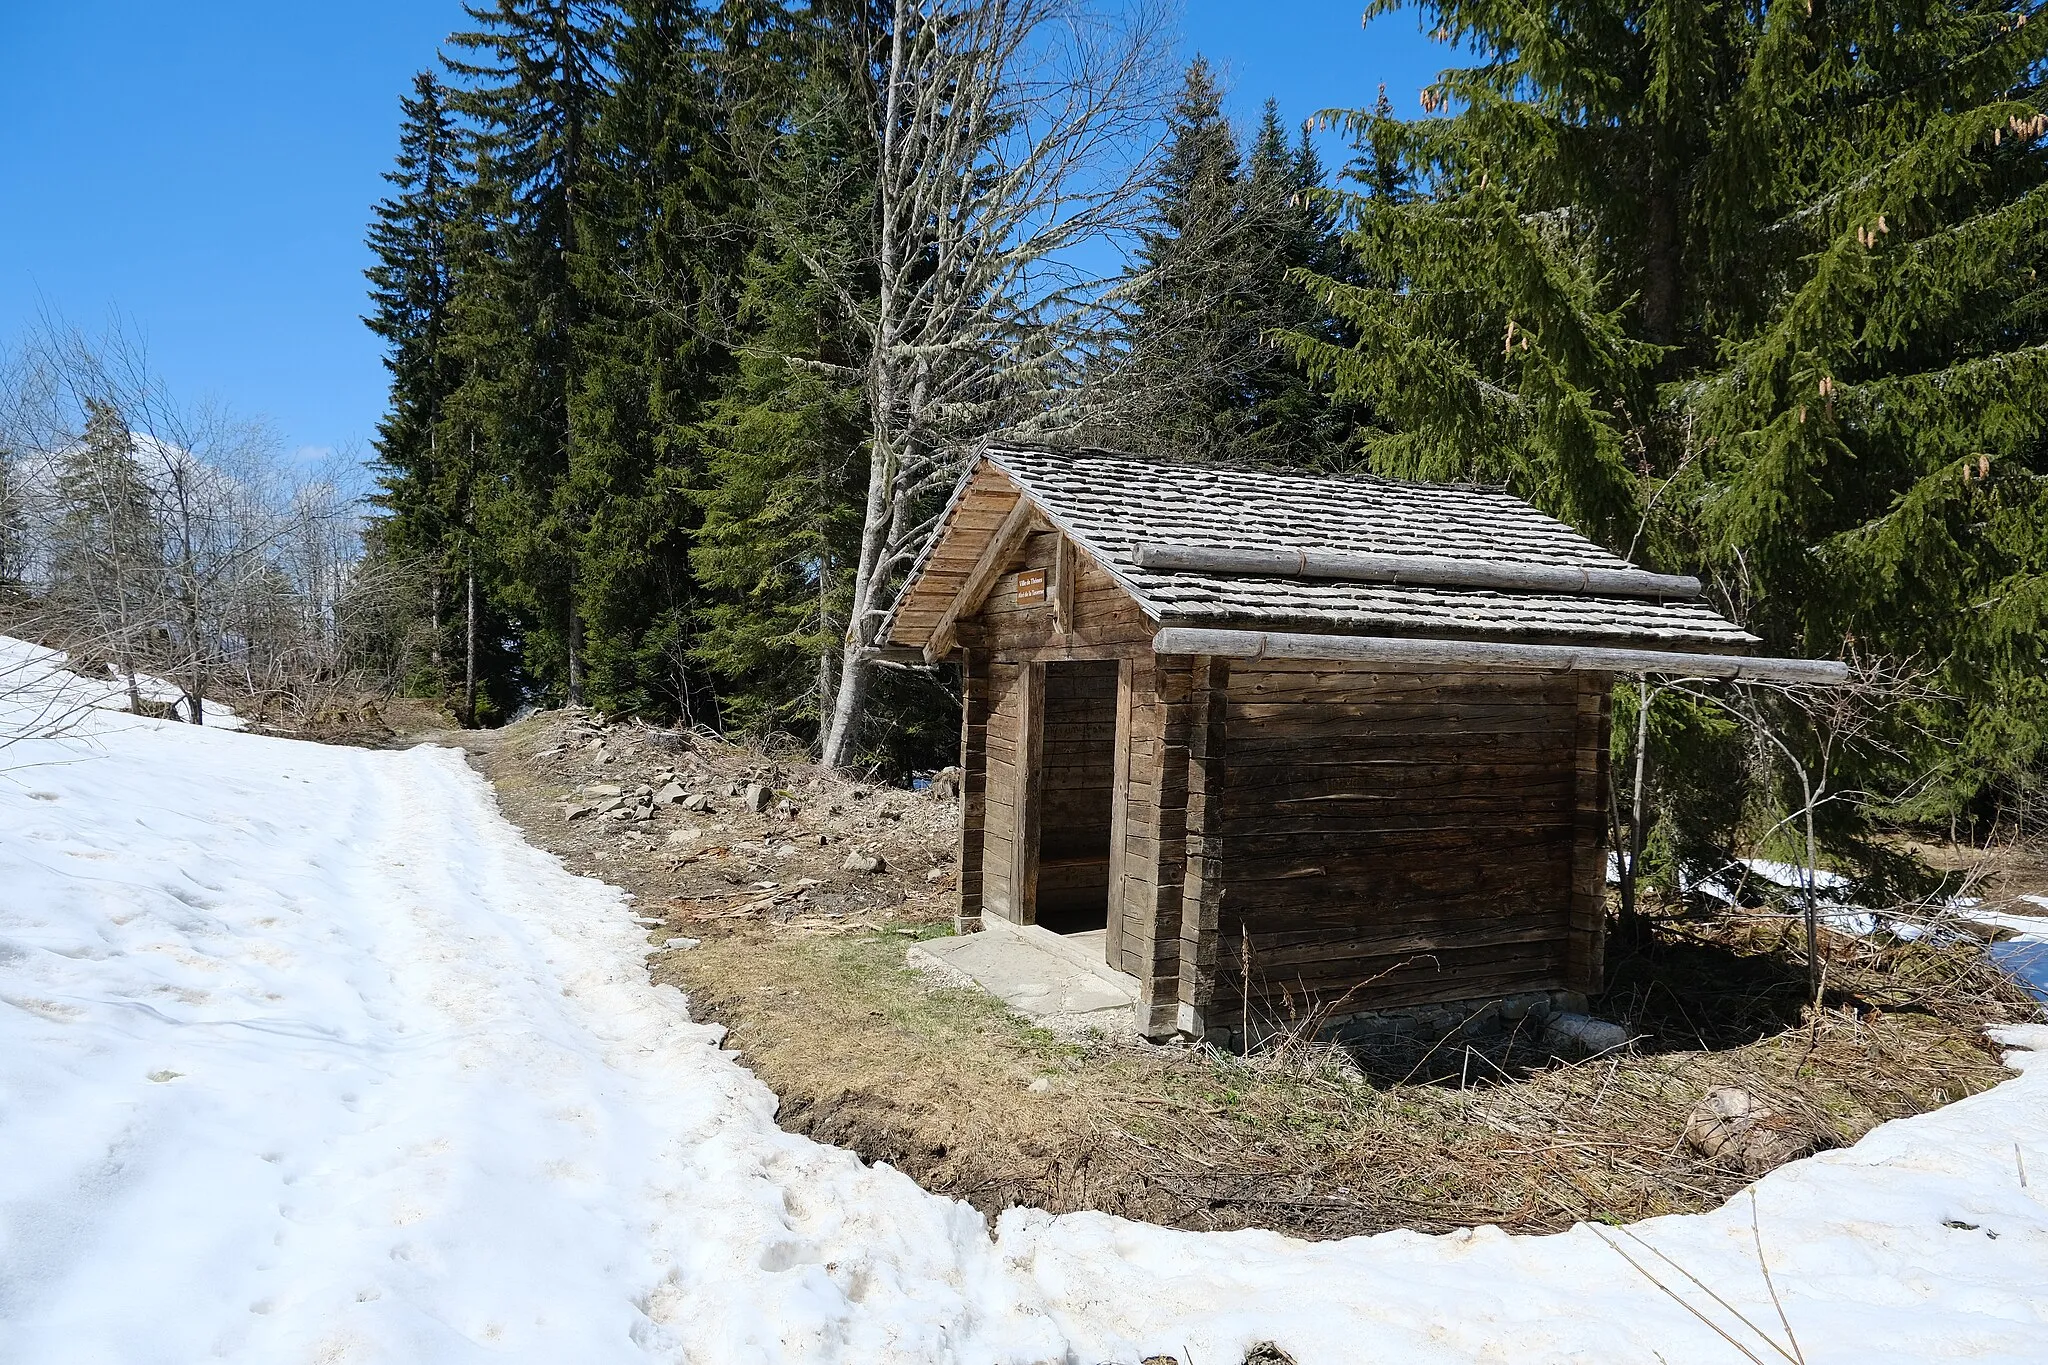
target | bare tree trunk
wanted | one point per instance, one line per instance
(434, 610)
(575, 657)
(837, 746)
(1638, 800)
(1008, 133)
(469, 651)
(1816, 974)
(863, 620)
(195, 690)
(824, 632)
(189, 593)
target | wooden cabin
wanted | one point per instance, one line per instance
(1272, 737)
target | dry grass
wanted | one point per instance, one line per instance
(975, 1103)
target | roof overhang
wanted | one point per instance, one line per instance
(1259, 644)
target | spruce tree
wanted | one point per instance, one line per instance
(1215, 281)
(1750, 292)
(1873, 448)
(489, 413)
(412, 289)
(785, 439)
(108, 573)
(530, 84)
(1193, 337)
(1289, 227)
(659, 250)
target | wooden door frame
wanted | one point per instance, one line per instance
(1119, 815)
(1030, 770)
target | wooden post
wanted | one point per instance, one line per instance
(1586, 934)
(1159, 977)
(1431, 570)
(1119, 815)
(1459, 655)
(1202, 895)
(1030, 783)
(1063, 569)
(974, 706)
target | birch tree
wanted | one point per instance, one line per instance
(1015, 141)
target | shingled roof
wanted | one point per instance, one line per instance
(1109, 504)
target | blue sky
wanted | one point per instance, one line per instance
(204, 170)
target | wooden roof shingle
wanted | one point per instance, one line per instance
(1109, 504)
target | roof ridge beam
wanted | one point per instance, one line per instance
(1376, 649)
(1415, 570)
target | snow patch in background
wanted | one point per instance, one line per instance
(2024, 956)
(306, 1055)
(38, 675)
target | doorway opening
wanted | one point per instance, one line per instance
(1077, 795)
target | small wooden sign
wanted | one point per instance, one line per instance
(1031, 588)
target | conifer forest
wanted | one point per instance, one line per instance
(693, 313)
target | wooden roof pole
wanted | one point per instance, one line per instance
(1415, 570)
(1257, 644)
(981, 579)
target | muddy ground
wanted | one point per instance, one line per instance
(789, 924)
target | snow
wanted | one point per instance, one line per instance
(37, 672)
(1792, 876)
(1725, 884)
(2025, 954)
(306, 1056)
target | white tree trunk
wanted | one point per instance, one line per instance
(469, 650)
(1010, 132)
(837, 749)
(575, 657)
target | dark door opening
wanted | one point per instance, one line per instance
(1077, 789)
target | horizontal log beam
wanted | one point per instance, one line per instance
(1373, 649)
(1430, 571)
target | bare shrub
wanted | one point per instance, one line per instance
(154, 538)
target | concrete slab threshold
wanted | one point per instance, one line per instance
(1053, 979)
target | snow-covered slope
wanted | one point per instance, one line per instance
(306, 1056)
(31, 674)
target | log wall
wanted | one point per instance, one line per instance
(1397, 838)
